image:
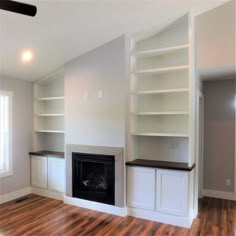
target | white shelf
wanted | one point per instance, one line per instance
(162, 70)
(49, 112)
(161, 113)
(49, 98)
(160, 51)
(50, 131)
(181, 90)
(162, 134)
(160, 94)
(48, 115)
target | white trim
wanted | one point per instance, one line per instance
(9, 170)
(235, 149)
(161, 217)
(218, 194)
(191, 94)
(49, 98)
(200, 146)
(47, 193)
(119, 211)
(14, 195)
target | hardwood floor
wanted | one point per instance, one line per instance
(44, 216)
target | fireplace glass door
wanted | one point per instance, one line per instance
(93, 177)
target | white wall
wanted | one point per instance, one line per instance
(215, 41)
(22, 134)
(215, 51)
(93, 120)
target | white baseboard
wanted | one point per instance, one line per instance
(219, 194)
(47, 193)
(161, 217)
(22, 192)
(119, 211)
(14, 195)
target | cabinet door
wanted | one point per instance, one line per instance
(141, 188)
(39, 171)
(172, 192)
(56, 174)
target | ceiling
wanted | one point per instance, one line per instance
(65, 29)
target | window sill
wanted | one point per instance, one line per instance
(5, 173)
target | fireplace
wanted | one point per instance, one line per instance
(93, 177)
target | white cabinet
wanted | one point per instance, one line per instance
(141, 188)
(39, 177)
(161, 127)
(172, 192)
(56, 174)
(160, 190)
(48, 173)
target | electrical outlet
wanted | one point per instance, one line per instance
(228, 182)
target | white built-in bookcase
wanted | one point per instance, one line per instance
(49, 113)
(162, 94)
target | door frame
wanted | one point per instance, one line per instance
(235, 149)
(200, 141)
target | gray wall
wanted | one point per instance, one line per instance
(92, 120)
(219, 134)
(96, 121)
(22, 134)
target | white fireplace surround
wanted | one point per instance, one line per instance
(118, 152)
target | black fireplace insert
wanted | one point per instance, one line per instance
(93, 177)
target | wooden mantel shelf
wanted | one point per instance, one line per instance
(161, 164)
(48, 153)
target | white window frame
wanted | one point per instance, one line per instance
(8, 169)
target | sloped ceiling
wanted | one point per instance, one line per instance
(65, 29)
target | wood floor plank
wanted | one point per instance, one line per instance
(41, 216)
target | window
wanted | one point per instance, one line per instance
(5, 133)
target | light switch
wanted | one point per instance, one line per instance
(228, 182)
(100, 94)
(85, 95)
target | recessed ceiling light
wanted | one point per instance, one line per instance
(26, 56)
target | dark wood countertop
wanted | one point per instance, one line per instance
(161, 164)
(48, 153)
